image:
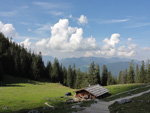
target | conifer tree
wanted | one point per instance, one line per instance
(69, 77)
(148, 72)
(78, 79)
(110, 79)
(104, 75)
(137, 76)
(91, 74)
(131, 75)
(97, 73)
(142, 73)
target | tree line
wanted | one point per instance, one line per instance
(17, 61)
(135, 74)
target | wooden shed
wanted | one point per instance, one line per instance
(91, 92)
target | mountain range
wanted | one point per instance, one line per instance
(113, 64)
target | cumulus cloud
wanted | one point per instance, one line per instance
(8, 30)
(109, 45)
(82, 20)
(26, 43)
(146, 48)
(127, 51)
(68, 39)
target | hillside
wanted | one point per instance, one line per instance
(19, 93)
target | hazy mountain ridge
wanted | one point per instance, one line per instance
(113, 64)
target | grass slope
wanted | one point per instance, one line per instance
(27, 94)
(139, 104)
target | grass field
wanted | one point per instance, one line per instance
(21, 95)
(139, 104)
(27, 94)
(115, 89)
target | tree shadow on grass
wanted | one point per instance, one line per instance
(11, 81)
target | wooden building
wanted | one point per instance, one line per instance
(91, 92)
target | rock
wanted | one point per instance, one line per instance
(124, 101)
(68, 94)
(33, 111)
(5, 108)
(75, 106)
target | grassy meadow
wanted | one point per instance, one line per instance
(28, 94)
(21, 95)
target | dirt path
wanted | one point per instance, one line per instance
(102, 106)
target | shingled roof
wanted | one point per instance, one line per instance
(97, 90)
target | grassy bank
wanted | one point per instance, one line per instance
(27, 94)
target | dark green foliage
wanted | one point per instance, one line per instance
(131, 75)
(69, 77)
(78, 79)
(104, 75)
(148, 72)
(142, 73)
(137, 76)
(97, 75)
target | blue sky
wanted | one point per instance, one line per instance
(101, 28)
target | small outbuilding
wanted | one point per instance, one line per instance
(91, 92)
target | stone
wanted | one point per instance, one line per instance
(33, 111)
(75, 106)
(5, 108)
(124, 101)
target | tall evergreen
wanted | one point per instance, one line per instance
(78, 79)
(104, 75)
(65, 76)
(110, 79)
(69, 77)
(148, 71)
(137, 76)
(142, 73)
(55, 71)
(91, 74)
(97, 74)
(131, 75)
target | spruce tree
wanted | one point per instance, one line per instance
(97, 73)
(137, 76)
(148, 72)
(110, 79)
(142, 73)
(78, 79)
(104, 75)
(91, 74)
(69, 77)
(131, 75)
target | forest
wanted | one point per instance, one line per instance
(17, 61)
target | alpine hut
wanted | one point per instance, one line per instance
(91, 92)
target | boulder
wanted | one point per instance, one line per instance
(124, 101)
(75, 106)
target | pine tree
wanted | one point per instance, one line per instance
(142, 73)
(104, 75)
(48, 70)
(97, 73)
(65, 76)
(55, 71)
(69, 77)
(110, 79)
(130, 77)
(91, 74)
(78, 79)
(148, 72)
(137, 76)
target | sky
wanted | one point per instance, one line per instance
(79, 28)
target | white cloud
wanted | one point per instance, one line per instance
(56, 13)
(109, 45)
(88, 54)
(68, 39)
(113, 21)
(8, 30)
(146, 48)
(26, 43)
(29, 30)
(82, 20)
(42, 42)
(127, 51)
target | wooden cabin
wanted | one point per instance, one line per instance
(91, 92)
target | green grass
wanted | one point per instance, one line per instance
(115, 89)
(28, 94)
(139, 104)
